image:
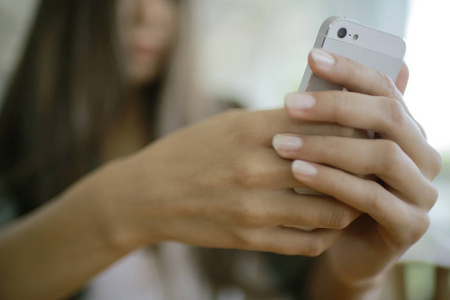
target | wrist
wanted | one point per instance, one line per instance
(104, 194)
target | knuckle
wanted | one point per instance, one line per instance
(247, 215)
(339, 112)
(432, 196)
(241, 213)
(375, 201)
(254, 219)
(426, 222)
(389, 84)
(342, 131)
(281, 248)
(392, 156)
(435, 163)
(339, 218)
(352, 70)
(249, 174)
(324, 151)
(314, 248)
(338, 184)
(243, 128)
(242, 239)
(422, 221)
(395, 111)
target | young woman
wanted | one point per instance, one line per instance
(99, 80)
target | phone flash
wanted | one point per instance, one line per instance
(355, 37)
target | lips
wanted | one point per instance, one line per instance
(146, 51)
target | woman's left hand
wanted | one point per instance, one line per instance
(394, 208)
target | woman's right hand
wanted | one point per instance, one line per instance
(219, 183)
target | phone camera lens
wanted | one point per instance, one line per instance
(342, 33)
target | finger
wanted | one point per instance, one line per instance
(354, 76)
(401, 83)
(291, 209)
(288, 241)
(260, 127)
(359, 78)
(380, 114)
(402, 79)
(383, 158)
(401, 221)
(265, 170)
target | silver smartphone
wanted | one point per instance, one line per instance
(371, 47)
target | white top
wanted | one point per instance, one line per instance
(169, 272)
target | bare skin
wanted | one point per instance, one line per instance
(395, 211)
(222, 178)
(148, 30)
(216, 178)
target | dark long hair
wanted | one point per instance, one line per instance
(67, 88)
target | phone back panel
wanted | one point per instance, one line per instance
(373, 48)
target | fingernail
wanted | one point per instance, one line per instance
(299, 102)
(303, 168)
(322, 58)
(287, 142)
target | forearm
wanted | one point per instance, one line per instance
(324, 285)
(54, 251)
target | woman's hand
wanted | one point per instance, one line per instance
(396, 206)
(219, 183)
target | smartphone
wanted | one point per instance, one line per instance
(368, 46)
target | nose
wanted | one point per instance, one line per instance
(151, 12)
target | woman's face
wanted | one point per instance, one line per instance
(148, 28)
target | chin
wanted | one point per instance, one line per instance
(138, 79)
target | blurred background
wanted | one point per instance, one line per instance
(254, 51)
